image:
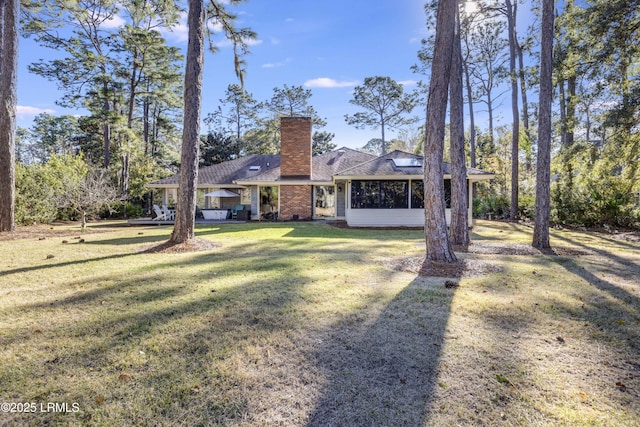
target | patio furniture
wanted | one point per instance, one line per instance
(169, 214)
(160, 216)
(215, 214)
(243, 215)
(199, 213)
(234, 212)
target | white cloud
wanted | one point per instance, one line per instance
(408, 82)
(278, 64)
(178, 32)
(27, 111)
(325, 82)
(215, 27)
(289, 20)
(114, 22)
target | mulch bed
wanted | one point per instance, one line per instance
(462, 268)
(519, 249)
(475, 267)
(193, 245)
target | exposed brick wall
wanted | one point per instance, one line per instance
(295, 200)
(295, 149)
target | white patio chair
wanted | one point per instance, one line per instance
(168, 213)
(160, 216)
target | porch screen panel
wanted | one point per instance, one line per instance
(394, 194)
(417, 194)
(379, 194)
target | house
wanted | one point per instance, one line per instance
(344, 184)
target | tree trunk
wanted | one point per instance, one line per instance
(145, 124)
(383, 149)
(571, 110)
(541, 227)
(459, 227)
(562, 100)
(124, 176)
(184, 227)
(567, 122)
(515, 133)
(525, 102)
(9, 12)
(106, 128)
(133, 85)
(125, 173)
(438, 247)
(472, 121)
(492, 143)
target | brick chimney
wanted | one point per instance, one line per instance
(295, 148)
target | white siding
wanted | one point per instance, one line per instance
(341, 200)
(391, 217)
(388, 217)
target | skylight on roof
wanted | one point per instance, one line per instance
(254, 168)
(408, 163)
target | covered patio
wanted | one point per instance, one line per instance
(213, 206)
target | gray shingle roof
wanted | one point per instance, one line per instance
(226, 173)
(324, 166)
(343, 162)
(385, 166)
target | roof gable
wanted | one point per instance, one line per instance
(226, 173)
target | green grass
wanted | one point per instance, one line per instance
(307, 324)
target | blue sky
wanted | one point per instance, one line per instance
(326, 46)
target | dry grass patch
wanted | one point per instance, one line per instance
(306, 324)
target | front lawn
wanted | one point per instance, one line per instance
(298, 324)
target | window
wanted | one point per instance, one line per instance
(269, 202)
(172, 196)
(245, 196)
(379, 195)
(417, 194)
(408, 163)
(325, 201)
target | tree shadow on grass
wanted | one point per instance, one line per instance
(610, 301)
(158, 336)
(63, 264)
(618, 265)
(384, 373)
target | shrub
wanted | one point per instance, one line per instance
(526, 206)
(606, 203)
(34, 196)
(491, 207)
(64, 187)
(116, 210)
